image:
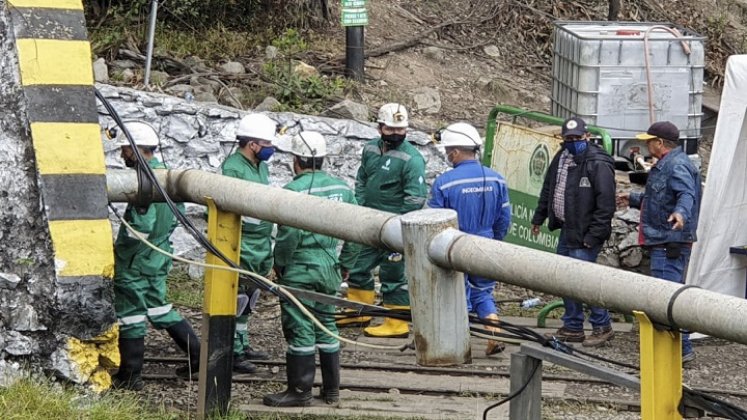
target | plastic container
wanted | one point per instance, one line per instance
(531, 303)
(599, 74)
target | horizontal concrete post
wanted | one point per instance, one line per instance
(694, 309)
(349, 222)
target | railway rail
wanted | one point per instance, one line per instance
(267, 377)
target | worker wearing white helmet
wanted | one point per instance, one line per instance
(391, 178)
(255, 135)
(144, 136)
(307, 260)
(480, 197)
(140, 272)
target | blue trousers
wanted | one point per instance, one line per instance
(672, 269)
(573, 318)
(480, 295)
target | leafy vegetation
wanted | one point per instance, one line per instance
(296, 91)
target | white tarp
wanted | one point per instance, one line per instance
(723, 212)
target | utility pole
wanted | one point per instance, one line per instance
(354, 18)
(614, 10)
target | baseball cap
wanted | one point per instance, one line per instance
(663, 130)
(573, 127)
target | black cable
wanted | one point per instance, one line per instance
(711, 404)
(512, 395)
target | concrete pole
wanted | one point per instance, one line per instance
(437, 296)
(341, 220)
(693, 309)
(527, 405)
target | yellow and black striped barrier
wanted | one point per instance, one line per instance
(56, 76)
(219, 314)
(57, 79)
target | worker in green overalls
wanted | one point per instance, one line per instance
(140, 273)
(391, 178)
(307, 260)
(255, 135)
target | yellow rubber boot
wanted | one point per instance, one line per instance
(391, 328)
(493, 346)
(362, 296)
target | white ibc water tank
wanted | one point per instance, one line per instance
(599, 74)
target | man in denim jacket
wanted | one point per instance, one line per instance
(669, 209)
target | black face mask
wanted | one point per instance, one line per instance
(393, 140)
(130, 162)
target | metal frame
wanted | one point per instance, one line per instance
(492, 126)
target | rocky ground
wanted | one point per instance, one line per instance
(720, 367)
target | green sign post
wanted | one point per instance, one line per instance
(354, 13)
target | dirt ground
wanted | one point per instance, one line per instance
(720, 367)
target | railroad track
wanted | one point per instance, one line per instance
(629, 405)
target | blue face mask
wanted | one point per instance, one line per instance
(265, 153)
(575, 147)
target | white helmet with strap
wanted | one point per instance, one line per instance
(257, 127)
(308, 144)
(460, 134)
(142, 133)
(393, 115)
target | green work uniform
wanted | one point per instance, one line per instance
(140, 272)
(392, 181)
(256, 237)
(309, 261)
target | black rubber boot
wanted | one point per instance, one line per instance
(186, 339)
(131, 351)
(253, 354)
(330, 364)
(242, 365)
(300, 371)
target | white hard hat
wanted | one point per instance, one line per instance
(257, 126)
(309, 144)
(142, 133)
(460, 135)
(393, 115)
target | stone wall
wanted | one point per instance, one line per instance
(201, 135)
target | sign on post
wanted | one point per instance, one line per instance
(523, 156)
(354, 13)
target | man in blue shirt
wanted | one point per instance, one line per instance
(480, 197)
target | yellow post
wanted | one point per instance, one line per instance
(219, 315)
(661, 371)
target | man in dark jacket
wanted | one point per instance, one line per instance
(578, 197)
(669, 209)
